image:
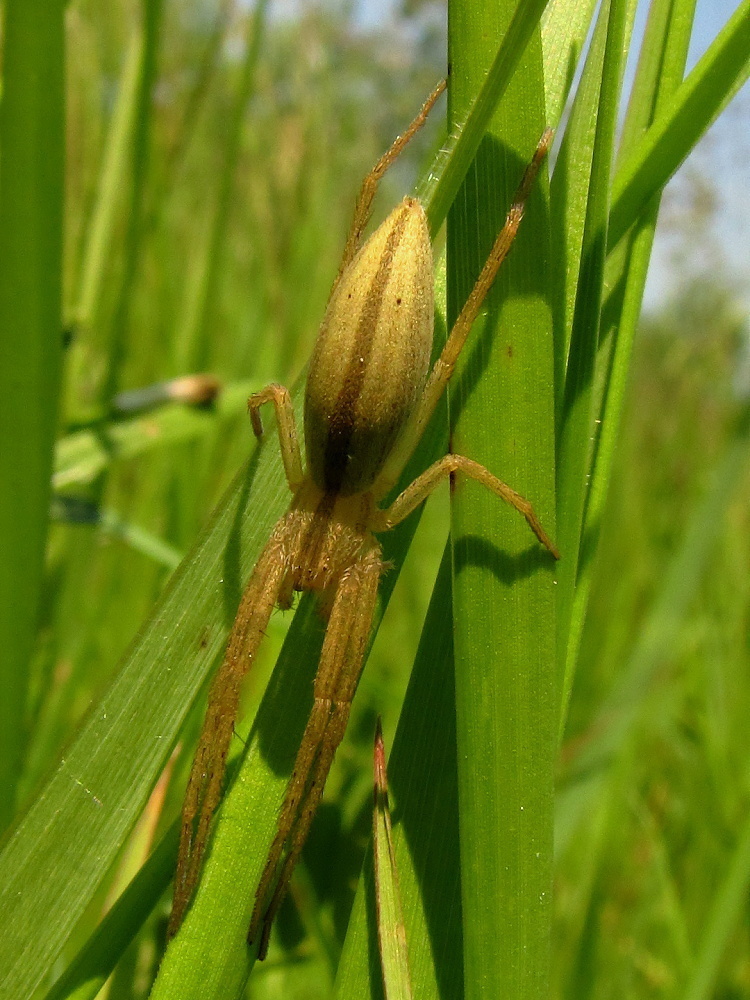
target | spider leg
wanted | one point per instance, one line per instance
(335, 684)
(287, 427)
(443, 368)
(204, 785)
(371, 181)
(423, 485)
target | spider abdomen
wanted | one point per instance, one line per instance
(372, 354)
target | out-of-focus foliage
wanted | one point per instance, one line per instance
(204, 220)
(646, 843)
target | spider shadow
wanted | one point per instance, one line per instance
(507, 568)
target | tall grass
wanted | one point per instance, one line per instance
(208, 191)
(502, 413)
(31, 194)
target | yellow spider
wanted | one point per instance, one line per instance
(367, 402)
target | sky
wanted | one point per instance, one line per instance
(722, 162)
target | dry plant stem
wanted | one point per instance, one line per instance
(367, 401)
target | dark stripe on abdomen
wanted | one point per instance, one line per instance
(341, 430)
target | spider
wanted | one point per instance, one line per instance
(368, 399)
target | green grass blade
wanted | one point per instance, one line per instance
(84, 454)
(124, 745)
(195, 340)
(392, 938)
(208, 64)
(452, 163)
(63, 847)
(576, 406)
(422, 776)
(722, 919)
(247, 823)
(565, 26)
(32, 117)
(660, 70)
(697, 102)
(569, 196)
(501, 407)
(423, 781)
(91, 968)
(151, 14)
(209, 958)
(112, 179)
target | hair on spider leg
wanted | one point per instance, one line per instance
(369, 396)
(237, 735)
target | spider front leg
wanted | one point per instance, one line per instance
(336, 681)
(370, 183)
(287, 428)
(204, 785)
(424, 484)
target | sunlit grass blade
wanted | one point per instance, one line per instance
(659, 72)
(576, 410)
(452, 163)
(569, 196)
(32, 117)
(501, 407)
(565, 26)
(392, 940)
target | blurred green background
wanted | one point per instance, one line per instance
(202, 231)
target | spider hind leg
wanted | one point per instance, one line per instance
(335, 684)
(207, 773)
